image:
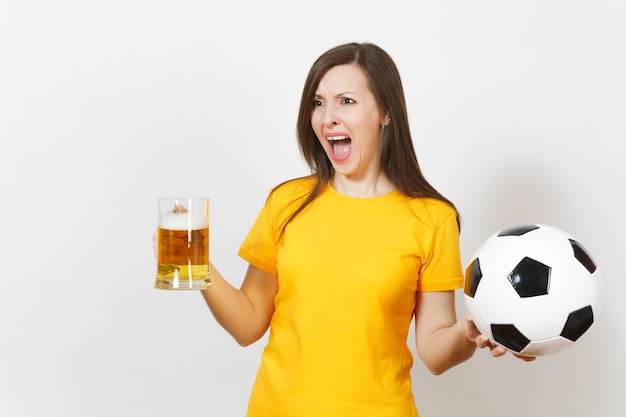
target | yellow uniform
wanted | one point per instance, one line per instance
(348, 271)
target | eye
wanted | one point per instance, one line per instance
(347, 100)
(317, 103)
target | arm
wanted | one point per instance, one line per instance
(440, 339)
(245, 313)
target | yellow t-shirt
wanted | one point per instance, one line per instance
(348, 271)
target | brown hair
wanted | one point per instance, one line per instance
(398, 158)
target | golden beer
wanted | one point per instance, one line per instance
(183, 250)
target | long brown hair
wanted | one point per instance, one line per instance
(398, 160)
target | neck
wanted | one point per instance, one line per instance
(362, 187)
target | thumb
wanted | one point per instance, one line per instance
(471, 331)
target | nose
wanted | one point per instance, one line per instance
(331, 118)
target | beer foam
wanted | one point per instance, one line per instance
(183, 221)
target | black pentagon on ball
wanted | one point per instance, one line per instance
(578, 322)
(508, 336)
(583, 256)
(530, 278)
(473, 275)
(518, 230)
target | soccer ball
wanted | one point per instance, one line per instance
(533, 289)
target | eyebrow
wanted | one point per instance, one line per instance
(316, 95)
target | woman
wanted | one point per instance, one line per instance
(341, 261)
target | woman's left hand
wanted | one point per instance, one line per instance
(481, 341)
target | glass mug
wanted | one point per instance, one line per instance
(183, 244)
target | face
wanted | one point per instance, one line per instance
(348, 122)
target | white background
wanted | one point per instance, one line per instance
(518, 113)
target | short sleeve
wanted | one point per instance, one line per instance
(259, 247)
(443, 270)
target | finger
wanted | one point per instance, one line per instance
(497, 351)
(178, 208)
(525, 358)
(483, 342)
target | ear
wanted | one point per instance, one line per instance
(386, 120)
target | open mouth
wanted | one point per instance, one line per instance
(340, 146)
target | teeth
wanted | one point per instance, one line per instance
(334, 139)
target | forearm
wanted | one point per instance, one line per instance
(243, 318)
(445, 348)
(441, 340)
